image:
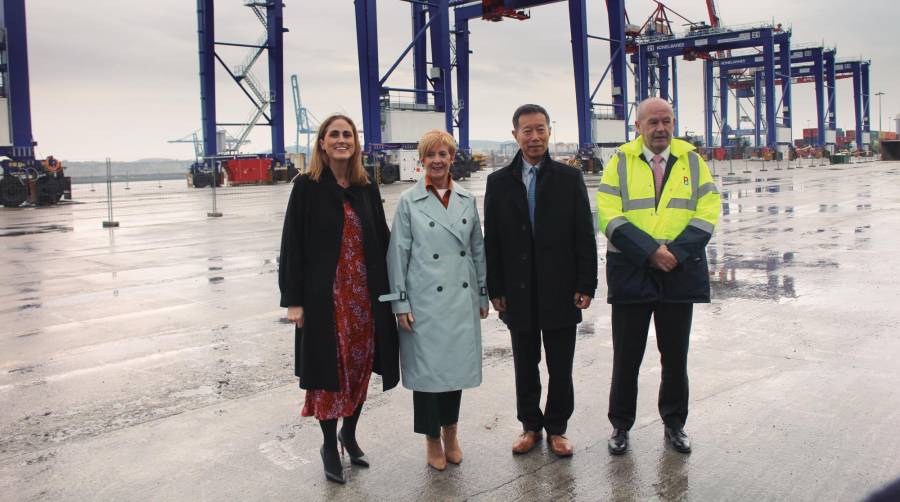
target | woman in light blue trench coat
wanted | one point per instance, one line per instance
(436, 270)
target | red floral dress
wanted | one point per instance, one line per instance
(354, 328)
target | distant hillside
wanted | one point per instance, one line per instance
(139, 169)
(155, 168)
(485, 145)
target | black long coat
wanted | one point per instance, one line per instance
(310, 248)
(550, 267)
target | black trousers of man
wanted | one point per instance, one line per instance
(629, 330)
(559, 345)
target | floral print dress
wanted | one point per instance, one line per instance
(354, 329)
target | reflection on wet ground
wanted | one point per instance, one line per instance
(32, 230)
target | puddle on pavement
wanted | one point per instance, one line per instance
(42, 229)
(587, 329)
(497, 354)
(760, 278)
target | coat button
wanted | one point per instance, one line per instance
(524, 228)
(465, 284)
(462, 253)
(524, 256)
(464, 221)
(440, 288)
(430, 223)
(521, 285)
(435, 256)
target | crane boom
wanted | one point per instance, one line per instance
(714, 20)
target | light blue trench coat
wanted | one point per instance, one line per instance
(436, 270)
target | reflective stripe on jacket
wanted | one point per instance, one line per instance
(635, 223)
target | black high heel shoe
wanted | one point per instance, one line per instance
(334, 471)
(357, 457)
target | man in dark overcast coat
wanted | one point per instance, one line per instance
(541, 273)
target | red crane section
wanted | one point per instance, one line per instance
(714, 20)
(494, 10)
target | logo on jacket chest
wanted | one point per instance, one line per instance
(687, 181)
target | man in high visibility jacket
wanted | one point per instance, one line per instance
(658, 206)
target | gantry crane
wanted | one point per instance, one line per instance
(302, 114)
(267, 104)
(653, 46)
(25, 178)
(815, 61)
(394, 123)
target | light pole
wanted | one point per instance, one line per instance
(554, 137)
(879, 94)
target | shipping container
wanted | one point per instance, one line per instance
(248, 171)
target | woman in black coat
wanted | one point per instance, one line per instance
(332, 270)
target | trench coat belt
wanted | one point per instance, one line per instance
(392, 297)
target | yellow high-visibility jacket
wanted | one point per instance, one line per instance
(636, 224)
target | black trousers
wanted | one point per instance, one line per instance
(559, 345)
(433, 410)
(629, 331)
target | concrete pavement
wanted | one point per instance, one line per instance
(151, 362)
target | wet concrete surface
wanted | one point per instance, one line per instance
(151, 362)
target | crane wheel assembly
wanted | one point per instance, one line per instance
(40, 183)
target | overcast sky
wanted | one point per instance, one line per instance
(120, 79)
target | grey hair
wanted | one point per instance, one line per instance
(651, 100)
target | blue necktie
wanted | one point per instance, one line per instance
(531, 197)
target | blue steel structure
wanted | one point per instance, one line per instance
(702, 43)
(655, 59)
(375, 92)
(432, 18)
(41, 182)
(273, 44)
(15, 76)
(816, 59)
(858, 70)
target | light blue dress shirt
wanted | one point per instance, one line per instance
(526, 171)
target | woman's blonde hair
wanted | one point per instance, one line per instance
(319, 159)
(436, 137)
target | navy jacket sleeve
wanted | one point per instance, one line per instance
(635, 244)
(689, 243)
(585, 242)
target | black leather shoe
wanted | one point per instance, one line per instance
(618, 442)
(357, 457)
(334, 471)
(678, 439)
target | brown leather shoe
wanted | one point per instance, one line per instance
(559, 445)
(452, 451)
(525, 442)
(435, 454)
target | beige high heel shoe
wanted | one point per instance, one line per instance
(435, 454)
(452, 451)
